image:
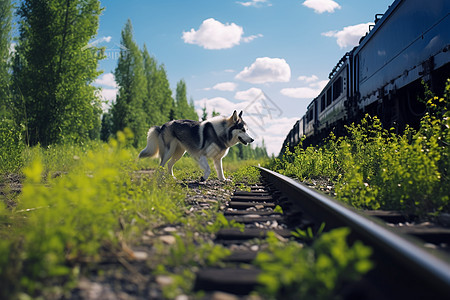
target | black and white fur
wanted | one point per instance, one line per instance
(202, 140)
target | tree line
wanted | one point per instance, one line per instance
(144, 97)
(47, 75)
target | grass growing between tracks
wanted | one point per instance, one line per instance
(374, 168)
(292, 271)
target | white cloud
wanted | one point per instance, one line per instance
(108, 96)
(308, 79)
(248, 95)
(12, 48)
(105, 39)
(220, 105)
(265, 70)
(300, 93)
(320, 84)
(349, 36)
(309, 92)
(109, 89)
(107, 79)
(321, 6)
(214, 35)
(225, 86)
(255, 3)
(248, 39)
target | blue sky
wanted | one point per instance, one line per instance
(269, 58)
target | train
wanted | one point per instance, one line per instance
(409, 44)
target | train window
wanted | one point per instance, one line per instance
(322, 103)
(337, 88)
(309, 116)
(329, 96)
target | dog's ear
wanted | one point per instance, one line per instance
(235, 116)
(240, 114)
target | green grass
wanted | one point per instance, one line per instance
(79, 203)
(98, 203)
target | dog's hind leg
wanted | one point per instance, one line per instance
(203, 162)
(168, 152)
(219, 169)
(179, 151)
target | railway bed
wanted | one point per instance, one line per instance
(405, 266)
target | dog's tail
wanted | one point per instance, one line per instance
(152, 148)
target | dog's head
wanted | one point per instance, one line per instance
(238, 129)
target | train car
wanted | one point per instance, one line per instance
(291, 136)
(331, 110)
(410, 43)
(296, 137)
(301, 126)
(383, 75)
(310, 119)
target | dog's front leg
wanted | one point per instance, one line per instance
(203, 162)
(219, 168)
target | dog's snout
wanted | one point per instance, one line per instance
(251, 140)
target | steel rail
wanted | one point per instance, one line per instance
(423, 274)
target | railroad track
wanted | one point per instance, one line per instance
(404, 267)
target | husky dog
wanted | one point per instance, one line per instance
(202, 140)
